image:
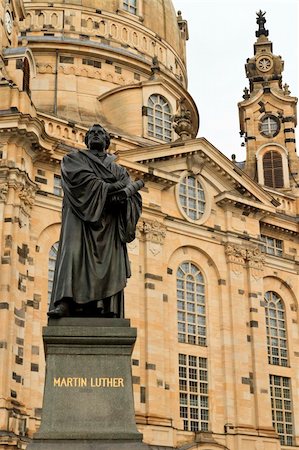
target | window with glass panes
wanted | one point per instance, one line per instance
(192, 197)
(51, 268)
(281, 402)
(276, 329)
(272, 246)
(193, 388)
(57, 185)
(159, 118)
(130, 5)
(269, 126)
(191, 307)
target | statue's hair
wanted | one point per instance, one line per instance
(107, 135)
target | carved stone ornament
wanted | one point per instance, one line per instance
(241, 255)
(3, 191)
(182, 122)
(195, 164)
(27, 196)
(154, 231)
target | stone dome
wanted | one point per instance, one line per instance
(97, 56)
(157, 15)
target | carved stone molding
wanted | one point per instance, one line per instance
(240, 255)
(154, 231)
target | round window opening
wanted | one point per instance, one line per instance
(192, 197)
(269, 126)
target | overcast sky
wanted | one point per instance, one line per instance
(221, 38)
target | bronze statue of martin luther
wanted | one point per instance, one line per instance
(101, 207)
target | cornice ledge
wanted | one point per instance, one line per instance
(162, 178)
(225, 199)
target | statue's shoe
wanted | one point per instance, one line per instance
(61, 310)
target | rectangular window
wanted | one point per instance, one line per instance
(282, 415)
(272, 246)
(66, 59)
(130, 6)
(57, 185)
(91, 62)
(193, 386)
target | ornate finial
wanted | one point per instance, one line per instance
(246, 95)
(286, 89)
(182, 121)
(260, 20)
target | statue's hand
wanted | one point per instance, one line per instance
(117, 186)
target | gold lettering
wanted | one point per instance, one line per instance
(109, 382)
(97, 382)
(83, 382)
(63, 382)
(56, 381)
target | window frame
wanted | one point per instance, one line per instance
(276, 330)
(273, 173)
(277, 251)
(191, 309)
(207, 209)
(152, 119)
(260, 164)
(266, 119)
(194, 411)
(57, 188)
(129, 6)
(282, 387)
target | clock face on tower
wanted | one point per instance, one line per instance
(8, 21)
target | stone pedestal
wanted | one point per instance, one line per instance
(88, 397)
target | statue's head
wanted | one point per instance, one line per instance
(97, 138)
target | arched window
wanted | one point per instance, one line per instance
(51, 268)
(276, 329)
(159, 117)
(273, 172)
(191, 307)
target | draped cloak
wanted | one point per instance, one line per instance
(92, 262)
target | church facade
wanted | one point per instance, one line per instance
(214, 286)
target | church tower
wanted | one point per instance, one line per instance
(268, 118)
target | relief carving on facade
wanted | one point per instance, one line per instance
(154, 233)
(3, 192)
(240, 255)
(195, 164)
(27, 197)
(25, 191)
